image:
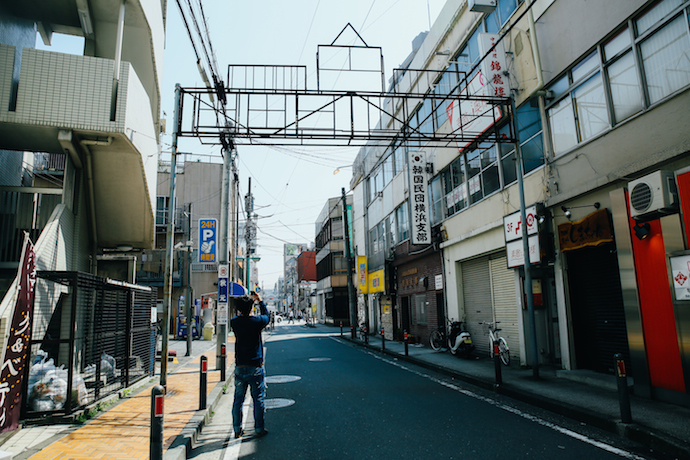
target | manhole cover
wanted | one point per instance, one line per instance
(282, 378)
(277, 403)
(316, 360)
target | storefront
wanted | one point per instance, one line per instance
(419, 302)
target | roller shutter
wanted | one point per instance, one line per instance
(477, 296)
(505, 303)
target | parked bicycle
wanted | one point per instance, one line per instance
(454, 337)
(503, 351)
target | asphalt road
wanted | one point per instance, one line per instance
(330, 399)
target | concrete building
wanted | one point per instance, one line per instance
(79, 144)
(331, 264)
(197, 200)
(599, 91)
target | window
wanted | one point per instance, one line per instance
(402, 223)
(163, 209)
(504, 9)
(443, 87)
(626, 93)
(666, 59)
(391, 231)
(437, 195)
(586, 104)
(399, 153)
(388, 170)
(582, 113)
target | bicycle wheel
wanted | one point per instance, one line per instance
(436, 340)
(503, 351)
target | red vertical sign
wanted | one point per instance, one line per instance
(18, 342)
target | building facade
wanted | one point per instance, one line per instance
(596, 96)
(331, 264)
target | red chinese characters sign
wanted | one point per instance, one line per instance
(16, 354)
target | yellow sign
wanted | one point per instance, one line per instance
(377, 282)
(362, 285)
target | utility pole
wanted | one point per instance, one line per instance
(189, 300)
(348, 257)
(224, 231)
(167, 285)
(248, 231)
(525, 247)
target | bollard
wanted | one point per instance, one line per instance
(405, 340)
(202, 382)
(341, 329)
(383, 339)
(223, 362)
(366, 336)
(623, 395)
(497, 364)
(156, 435)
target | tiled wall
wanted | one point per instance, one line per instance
(63, 90)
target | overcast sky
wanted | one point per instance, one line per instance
(290, 185)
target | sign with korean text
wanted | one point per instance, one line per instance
(223, 285)
(419, 200)
(18, 341)
(362, 275)
(512, 227)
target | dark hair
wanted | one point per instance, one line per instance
(244, 304)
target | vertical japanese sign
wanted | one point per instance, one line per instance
(419, 201)
(475, 116)
(223, 284)
(208, 234)
(16, 353)
(493, 67)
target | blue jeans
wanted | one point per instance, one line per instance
(254, 378)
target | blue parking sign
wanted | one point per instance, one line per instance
(208, 234)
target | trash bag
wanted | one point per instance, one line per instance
(108, 366)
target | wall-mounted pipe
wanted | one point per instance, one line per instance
(118, 59)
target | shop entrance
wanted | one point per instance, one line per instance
(596, 308)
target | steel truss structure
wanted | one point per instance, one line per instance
(272, 105)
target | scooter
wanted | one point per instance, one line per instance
(459, 340)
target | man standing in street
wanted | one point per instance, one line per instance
(249, 361)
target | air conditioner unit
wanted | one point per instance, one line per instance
(653, 196)
(481, 6)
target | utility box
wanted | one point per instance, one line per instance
(481, 6)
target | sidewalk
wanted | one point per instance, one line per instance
(585, 396)
(123, 430)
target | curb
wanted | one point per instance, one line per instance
(633, 431)
(183, 444)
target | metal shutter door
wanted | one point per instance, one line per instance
(505, 303)
(476, 286)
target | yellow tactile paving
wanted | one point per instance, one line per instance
(122, 432)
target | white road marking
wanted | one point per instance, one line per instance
(532, 418)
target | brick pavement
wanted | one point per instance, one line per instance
(122, 432)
